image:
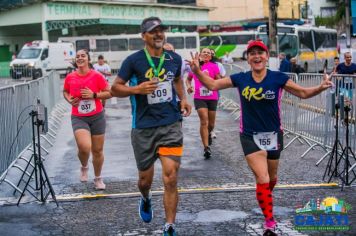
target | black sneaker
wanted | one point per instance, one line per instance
(207, 153)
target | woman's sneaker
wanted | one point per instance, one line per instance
(145, 210)
(99, 184)
(270, 228)
(213, 134)
(168, 230)
(207, 153)
(84, 174)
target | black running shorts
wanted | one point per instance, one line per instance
(210, 104)
(249, 146)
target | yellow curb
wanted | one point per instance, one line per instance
(68, 197)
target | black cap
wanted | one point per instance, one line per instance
(150, 23)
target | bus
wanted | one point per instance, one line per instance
(115, 48)
(233, 42)
(313, 47)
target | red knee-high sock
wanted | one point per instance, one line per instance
(265, 200)
(272, 183)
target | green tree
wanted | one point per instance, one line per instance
(333, 20)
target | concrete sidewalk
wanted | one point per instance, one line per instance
(217, 196)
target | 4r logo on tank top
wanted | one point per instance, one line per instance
(250, 93)
(257, 94)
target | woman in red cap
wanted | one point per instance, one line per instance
(261, 134)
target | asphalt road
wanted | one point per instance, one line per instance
(217, 196)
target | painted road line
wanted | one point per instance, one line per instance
(73, 197)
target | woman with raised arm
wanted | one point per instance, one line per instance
(261, 134)
(205, 100)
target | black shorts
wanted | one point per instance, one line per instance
(249, 146)
(211, 105)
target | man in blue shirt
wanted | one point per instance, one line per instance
(154, 75)
(347, 68)
(285, 65)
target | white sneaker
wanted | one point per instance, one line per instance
(99, 184)
(84, 174)
(213, 134)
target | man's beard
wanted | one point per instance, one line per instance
(158, 45)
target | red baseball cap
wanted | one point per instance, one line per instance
(257, 43)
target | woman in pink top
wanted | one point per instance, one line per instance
(205, 100)
(84, 89)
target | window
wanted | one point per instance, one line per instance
(44, 54)
(136, 44)
(177, 42)
(206, 41)
(330, 40)
(119, 44)
(82, 44)
(305, 40)
(229, 39)
(102, 45)
(243, 39)
(190, 42)
(29, 53)
(288, 44)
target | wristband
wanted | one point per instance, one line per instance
(95, 95)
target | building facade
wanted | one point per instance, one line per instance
(48, 20)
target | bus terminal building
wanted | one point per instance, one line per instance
(49, 20)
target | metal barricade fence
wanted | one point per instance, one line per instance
(310, 115)
(229, 98)
(289, 111)
(345, 87)
(16, 102)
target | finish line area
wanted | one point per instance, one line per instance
(239, 188)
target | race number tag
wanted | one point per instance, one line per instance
(162, 94)
(86, 106)
(266, 140)
(204, 92)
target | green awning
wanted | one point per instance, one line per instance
(60, 24)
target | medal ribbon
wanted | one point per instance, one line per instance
(153, 66)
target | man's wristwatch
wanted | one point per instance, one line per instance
(95, 95)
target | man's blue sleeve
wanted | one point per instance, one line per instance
(126, 70)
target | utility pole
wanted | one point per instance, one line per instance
(348, 27)
(306, 11)
(273, 4)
